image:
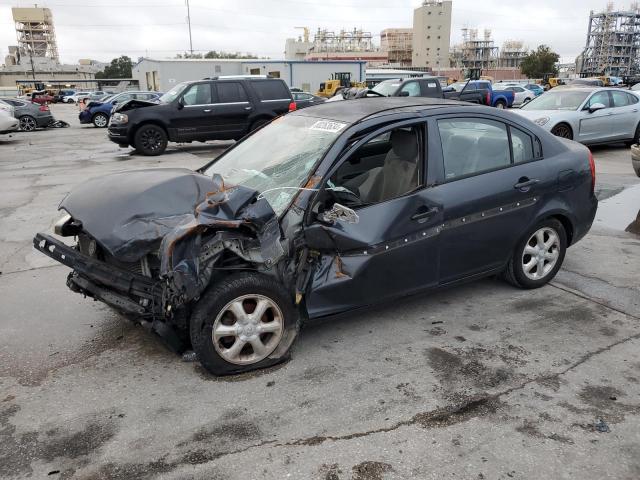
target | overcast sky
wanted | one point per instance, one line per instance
(157, 28)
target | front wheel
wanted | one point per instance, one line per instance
(245, 322)
(539, 256)
(562, 130)
(150, 140)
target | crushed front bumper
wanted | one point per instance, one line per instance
(123, 290)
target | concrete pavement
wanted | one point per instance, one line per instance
(482, 381)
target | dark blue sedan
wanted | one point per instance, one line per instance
(322, 211)
(99, 113)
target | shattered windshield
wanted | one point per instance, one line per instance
(172, 94)
(277, 160)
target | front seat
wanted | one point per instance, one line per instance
(399, 173)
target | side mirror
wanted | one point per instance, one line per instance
(340, 213)
(180, 104)
(595, 107)
(403, 94)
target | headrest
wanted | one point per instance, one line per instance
(493, 146)
(404, 144)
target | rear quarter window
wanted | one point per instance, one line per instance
(271, 90)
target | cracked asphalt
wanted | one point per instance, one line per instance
(481, 381)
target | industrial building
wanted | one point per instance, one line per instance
(164, 74)
(36, 55)
(613, 43)
(432, 34)
(397, 43)
(36, 33)
(512, 54)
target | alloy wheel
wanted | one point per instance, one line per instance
(248, 329)
(27, 124)
(562, 131)
(100, 121)
(151, 140)
(541, 253)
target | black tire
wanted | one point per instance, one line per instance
(636, 137)
(28, 123)
(100, 120)
(562, 130)
(515, 271)
(212, 304)
(150, 140)
(501, 105)
(259, 123)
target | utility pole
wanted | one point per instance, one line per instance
(189, 22)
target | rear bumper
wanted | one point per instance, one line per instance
(582, 227)
(125, 291)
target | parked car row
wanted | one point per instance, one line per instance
(29, 115)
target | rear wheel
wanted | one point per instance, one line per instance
(501, 105)
(28, 123)
(100, 120)
(539, 256)
(245, 322)
(562, 130)
(150, 140)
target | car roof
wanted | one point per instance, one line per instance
(352, 111)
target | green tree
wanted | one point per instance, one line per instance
(540, 62)
(216, 54)
(119, 68)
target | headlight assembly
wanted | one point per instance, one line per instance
(119, 118)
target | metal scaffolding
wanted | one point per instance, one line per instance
(478, 53)
(512, 53)
(613, 43)
(35, 32)
(355, 40)
(398, 43)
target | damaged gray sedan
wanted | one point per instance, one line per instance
(324, 210)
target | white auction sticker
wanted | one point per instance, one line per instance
(328, 126)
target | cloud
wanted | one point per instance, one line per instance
(93, 29)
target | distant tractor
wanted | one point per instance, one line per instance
(549, 81)
(337, 82)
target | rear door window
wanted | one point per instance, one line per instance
(231, 92)
(473, 145)
(271, 90)
(622, 99)
(522, 145)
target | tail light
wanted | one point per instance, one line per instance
(592, 167)
(488, 98)
(44, 108)
(292, 107)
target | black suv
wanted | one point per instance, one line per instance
(219, 108)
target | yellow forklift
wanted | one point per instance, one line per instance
(337, 82)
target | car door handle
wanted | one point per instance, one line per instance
(525, 183)
(208, 110)
(422, 213)
(247, 108)
(635, 110)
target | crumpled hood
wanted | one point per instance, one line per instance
(130, 213)
(133, 104)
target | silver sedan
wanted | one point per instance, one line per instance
(587, 115)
